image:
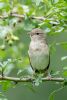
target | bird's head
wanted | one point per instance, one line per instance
(37, 34)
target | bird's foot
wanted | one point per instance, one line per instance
(48, 76)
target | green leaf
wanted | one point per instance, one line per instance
(37, 2)
(28, 26)
(6, 85)
(1, 94)
(63, 58)
(54, 1)
(4, 1)
(38, 79)
(3, 99)
(65, 68)
(65, 82)
(52, 95)
(65, 73)
(1, 5)
(63, 44)
(52, 48)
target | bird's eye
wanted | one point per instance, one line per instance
(37, 33)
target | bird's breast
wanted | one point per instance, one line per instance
(38, 46)
(39, 55)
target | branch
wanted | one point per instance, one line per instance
(22, 16)
(29, 79)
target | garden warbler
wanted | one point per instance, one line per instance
(38, 51)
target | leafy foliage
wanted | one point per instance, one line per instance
(17, 18)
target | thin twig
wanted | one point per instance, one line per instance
(29, 79)
(22, 16)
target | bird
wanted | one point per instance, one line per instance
(38, 52)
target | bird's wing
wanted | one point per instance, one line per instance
(29, 60)
(48, 64)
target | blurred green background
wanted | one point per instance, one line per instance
(14, 44)
(42, 92)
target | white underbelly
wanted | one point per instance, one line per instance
(39, 55)
(39, 60)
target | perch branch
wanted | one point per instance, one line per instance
(29, 79)
(22, 16)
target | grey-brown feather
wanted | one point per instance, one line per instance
(38, 50)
